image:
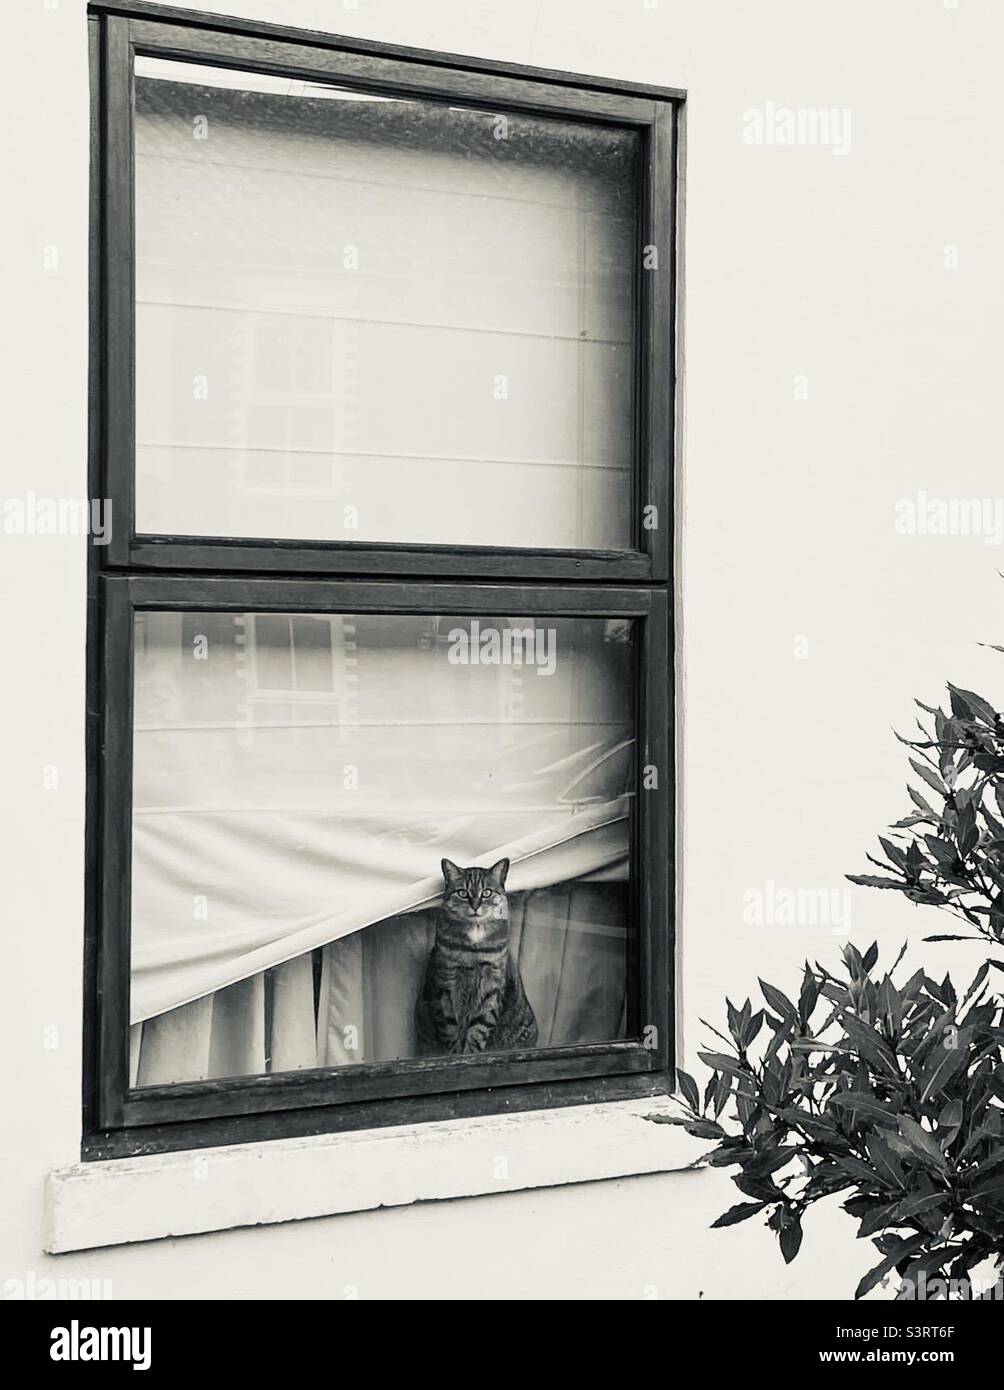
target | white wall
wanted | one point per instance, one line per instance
(799, 262)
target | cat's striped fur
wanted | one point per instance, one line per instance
(472, 997)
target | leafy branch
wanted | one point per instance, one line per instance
(889, 1094)
(949, 852)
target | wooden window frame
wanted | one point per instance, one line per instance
(134, 574)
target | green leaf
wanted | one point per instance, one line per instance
(720, 1062)
(930, 1262)
(900, 1250)
(769, 1161)
(929, 776)
(960, 707)
(967, 831)
(741, 1212)
(858, 1170)
(890, 1005)
(863, 1103)
(949, 1122)
(760, 1189)
(920, 1205)
(750, 1029)
(978, 980)
(704, 1129)
(879, 1219)
(941, 849)
(990, 1190)
(722, 1093)
(876, 881)
(976, 704)
(923, 805)
(919, 1143)
(688, 1086)
(943, 1063)
(987, 1166)
(885, 1162)
(790, 1238)
(893, 853)
(808, 996)
(871, 1044)
(734, 1021)
(915, 862)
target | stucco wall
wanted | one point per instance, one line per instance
(836, 362)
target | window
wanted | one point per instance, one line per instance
(381, 723)
(294, 655)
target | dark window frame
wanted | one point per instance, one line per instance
(134, 574)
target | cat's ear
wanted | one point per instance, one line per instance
(451, 873)
(498, 871)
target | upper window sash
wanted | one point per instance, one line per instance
(645, 554)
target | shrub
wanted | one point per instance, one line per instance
(888, 1095)
(951, 853)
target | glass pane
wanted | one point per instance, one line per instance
(370, 319)
(299, 781)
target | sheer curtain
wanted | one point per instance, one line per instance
(353, 1001)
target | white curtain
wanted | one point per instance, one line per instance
(353, 1001)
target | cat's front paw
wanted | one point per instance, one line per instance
(477, 1037)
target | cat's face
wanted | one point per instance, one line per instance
(475, 899)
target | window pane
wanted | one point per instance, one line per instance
(371, 319)
(295, 795)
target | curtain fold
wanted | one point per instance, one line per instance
(569, 940)
(297, 779)
(177, 957)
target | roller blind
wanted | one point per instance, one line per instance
(386, 320)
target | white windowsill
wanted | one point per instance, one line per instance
(123, 1200)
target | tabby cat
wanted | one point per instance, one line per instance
(472, 997)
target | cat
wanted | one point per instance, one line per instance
(472, 997)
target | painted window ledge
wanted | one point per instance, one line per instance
(175, 1194)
